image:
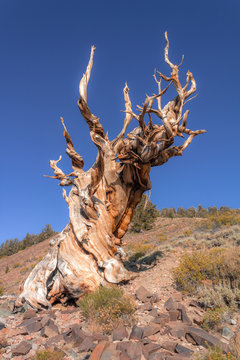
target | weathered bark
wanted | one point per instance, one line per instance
(102, 200)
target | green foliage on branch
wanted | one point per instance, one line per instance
(12, 246)
(144, 216)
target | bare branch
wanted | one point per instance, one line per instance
(92, 120)
(77, 160)
(59, 174)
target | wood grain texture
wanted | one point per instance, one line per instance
(102, 200)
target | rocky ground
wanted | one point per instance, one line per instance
(167, 326)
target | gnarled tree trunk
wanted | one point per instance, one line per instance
(102, 200)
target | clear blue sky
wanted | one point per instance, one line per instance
(45, 47)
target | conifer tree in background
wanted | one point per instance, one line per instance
(145, 215)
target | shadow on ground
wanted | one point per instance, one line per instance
(145, 263)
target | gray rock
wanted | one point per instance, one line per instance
(227, 333)
(203, 338)
(136, 333)
(182, 350)
(2, 325)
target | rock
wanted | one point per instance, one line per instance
(182, 350)
(169, 345)
(142, 294)
(177, 297)
(162, 319)
(183, 314)
(194, 303)
(34, 326)
(227, 333)
(190, 339)
(170, 304)
(119, 333)
(136, 333)
(174, 315)
(99, 337)
(232, 322)
(154, 312)
(86, 345)
(99, 349)
(50, 330)
(177, 329)
(154, 298)
(29, 314)
(130, 349)
(151, 329)
(55, 340)
(145, 307)
(204, 339)
(151, 348)
(2, 325)
(21, 349)
(159, 355)
(75, 335)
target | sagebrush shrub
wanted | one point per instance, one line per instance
(108, 307)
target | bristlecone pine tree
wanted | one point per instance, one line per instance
(102, 200)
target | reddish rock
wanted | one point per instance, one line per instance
(29, 314)
(151, 329)
(170, 304)
(174, 315)
(169, 345)
(57, 340)
(136, 333)
(142, 294)
(151, 348)
(119, 333)
(49, 331)
(162, 319)
(99, 349)
(131, 349)
(21, 349)
(177, 329)
(159, 355)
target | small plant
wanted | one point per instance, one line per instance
(49, 355)
(16, 265)
(216, 353)
(6, 269)
(213, 317)
(108, 307)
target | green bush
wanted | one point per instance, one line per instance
(108, 307)
(213, 317)
(144, 215)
